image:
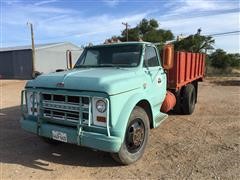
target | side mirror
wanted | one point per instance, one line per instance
(69, 59)
(36, 74)
(168, 56)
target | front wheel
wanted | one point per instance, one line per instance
(136, 138)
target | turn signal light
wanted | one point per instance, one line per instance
(101, 119)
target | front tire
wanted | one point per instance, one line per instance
(136, 138)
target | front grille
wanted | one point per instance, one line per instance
(66, 108)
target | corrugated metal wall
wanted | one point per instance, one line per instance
(16, 64)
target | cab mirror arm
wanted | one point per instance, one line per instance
(145, 65)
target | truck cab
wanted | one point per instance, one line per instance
(108, 101)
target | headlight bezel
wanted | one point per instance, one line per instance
(32, 100)
(96, 113)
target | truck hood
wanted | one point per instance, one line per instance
(109, 80)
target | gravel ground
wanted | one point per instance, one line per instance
(204, 145)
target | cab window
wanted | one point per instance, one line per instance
(150, 58)
(92, 57)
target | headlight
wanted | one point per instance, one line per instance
(32, 103)
(101, 106)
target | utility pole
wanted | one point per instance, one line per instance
(33, 49)
(126, 29)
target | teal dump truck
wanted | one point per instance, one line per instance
(108, 101)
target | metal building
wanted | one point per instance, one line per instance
(16, 62)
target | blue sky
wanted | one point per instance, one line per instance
(81, 22)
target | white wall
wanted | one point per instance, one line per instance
(48, 59)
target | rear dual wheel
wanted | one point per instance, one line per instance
(189, 99)
(186, 100)
(136, 138)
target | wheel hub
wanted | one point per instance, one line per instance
(135, 135)
(138, 136)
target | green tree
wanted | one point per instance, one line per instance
(133, 34)
(147, 30)
(195, 43)
(158, 36)
(145, 26)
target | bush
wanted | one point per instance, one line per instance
(234, 60)
(220, 59)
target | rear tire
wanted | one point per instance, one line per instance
(189, 99)
(136, 138)
(178, 107)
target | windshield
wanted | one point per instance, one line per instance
(110, 56)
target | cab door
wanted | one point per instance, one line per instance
(155, 76)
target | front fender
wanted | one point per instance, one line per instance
(121, 108)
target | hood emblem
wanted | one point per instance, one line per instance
(61, 84)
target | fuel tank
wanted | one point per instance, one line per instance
(169, 102)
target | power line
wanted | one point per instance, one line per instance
(225, 33)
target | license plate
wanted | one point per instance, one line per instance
(60, 136)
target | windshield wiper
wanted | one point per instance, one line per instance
(103, 65)
(107, 65)
(123, 65)
(116, 65)
(85, 66)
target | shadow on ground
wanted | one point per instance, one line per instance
(227, 82)
(20, 147)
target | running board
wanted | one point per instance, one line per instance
(159, 119)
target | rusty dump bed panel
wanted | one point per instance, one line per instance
(187, 67)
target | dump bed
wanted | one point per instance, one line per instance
(187, 67)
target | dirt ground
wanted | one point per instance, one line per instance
(205, 145)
